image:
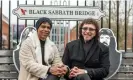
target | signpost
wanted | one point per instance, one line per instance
(58, 12)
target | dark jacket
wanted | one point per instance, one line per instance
(96, 62)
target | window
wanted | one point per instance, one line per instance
(55, 31)
(61, 30)
(55, 38)
(62, 38)
(52, 31)
(52, 38)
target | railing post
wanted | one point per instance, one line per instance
(9, 31)
(117, 24)
(1, 26)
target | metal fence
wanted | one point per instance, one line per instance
(119, 18)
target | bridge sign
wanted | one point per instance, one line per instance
(58, 12)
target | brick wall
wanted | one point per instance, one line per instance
(5, 32)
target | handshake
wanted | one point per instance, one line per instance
(58, 70)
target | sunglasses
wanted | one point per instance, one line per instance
(86, 28)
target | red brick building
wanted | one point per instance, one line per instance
(5, 31)
(72, 36)
(129, 40)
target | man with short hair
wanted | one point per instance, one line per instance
(39, 56)
(105, 37)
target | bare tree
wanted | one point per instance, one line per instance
(113, 19)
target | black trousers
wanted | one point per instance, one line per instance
(50, 77)
(82, 77)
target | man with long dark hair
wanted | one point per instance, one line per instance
(87, 58)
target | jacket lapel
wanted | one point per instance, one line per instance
(91, 51)
(81, 51)
(78, 53)
(36, 44)
(47, 49)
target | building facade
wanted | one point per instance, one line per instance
(5, 32)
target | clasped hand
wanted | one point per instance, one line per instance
(76, 71)
(58, 70)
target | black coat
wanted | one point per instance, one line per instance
(96, 62)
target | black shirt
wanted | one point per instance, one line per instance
(87, 45)
(43, 50)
